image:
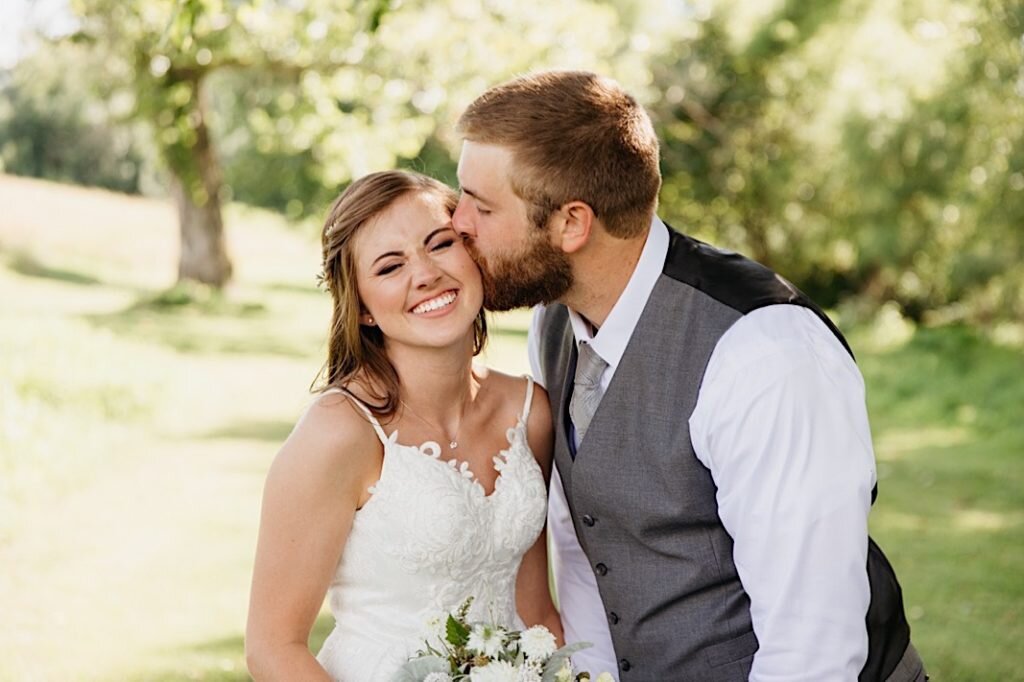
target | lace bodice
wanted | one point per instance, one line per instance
(427, 539)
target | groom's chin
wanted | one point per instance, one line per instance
(499, 301)
(508, 293)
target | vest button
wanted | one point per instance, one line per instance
(613, 618)
(601, 569)
(588, 520)
(624, 665)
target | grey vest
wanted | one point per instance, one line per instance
(644, 506)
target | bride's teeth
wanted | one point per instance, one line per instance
(434, 304)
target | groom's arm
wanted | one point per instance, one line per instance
(782, 426)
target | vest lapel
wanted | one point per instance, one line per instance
(562, 423)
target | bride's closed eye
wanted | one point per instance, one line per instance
(388, 269)
(443, 239)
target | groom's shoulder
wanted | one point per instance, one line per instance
(725, 276)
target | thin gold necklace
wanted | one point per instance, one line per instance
(453, 442)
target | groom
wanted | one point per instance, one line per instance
(714, 460)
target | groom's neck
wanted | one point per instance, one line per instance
(601, 273)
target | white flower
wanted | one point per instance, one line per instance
(605, 677)
(529, 673)
(538, 643)
(435, 625)
(438, 677)
(565, 673)
(487, 640)
(495, 671)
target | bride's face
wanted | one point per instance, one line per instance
(416, 280)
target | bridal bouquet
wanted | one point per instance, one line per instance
(481, 652)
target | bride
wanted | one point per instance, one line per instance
(414, 480)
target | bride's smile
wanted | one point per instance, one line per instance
(435, 304)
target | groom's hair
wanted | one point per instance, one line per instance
(357, 353)
(574, 136)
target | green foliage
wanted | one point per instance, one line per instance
(793, 134)
(455, 632)
(940, 189)
(54, 124)
(867, 150)
(323, 91)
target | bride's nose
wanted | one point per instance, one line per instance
(425, 273)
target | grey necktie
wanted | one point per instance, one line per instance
(586, 388)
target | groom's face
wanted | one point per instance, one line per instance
(520, 265)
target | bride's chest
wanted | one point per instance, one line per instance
(429, 511)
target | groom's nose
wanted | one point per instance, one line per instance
(462, 219)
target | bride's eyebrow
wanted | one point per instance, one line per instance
(385, 255)
(444, 228)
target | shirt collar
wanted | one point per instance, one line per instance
(613, 336)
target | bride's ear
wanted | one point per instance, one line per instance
(366, 319)
(574, 224)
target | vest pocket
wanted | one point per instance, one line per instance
(731, 649)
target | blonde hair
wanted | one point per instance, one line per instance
(356, 352)
(574, 136)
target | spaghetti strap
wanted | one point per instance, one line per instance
(529, 398)
(369, 415)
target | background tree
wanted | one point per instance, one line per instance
(56, 123)
(328, 89)
(789, 131)
(791, 134)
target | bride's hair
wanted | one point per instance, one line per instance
(355, 352)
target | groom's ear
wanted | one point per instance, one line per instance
(574, 224)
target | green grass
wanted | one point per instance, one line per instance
(948, 416)
(137, 421)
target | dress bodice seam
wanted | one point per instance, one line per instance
(459, 467)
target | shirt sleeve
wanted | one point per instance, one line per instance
(533, 344)
(781, 424)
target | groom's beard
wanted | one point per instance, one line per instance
(540, 273)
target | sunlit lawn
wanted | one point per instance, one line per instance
(135, 432)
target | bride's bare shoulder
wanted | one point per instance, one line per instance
(510, 389)
(333, 433)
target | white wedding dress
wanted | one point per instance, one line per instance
(426, 540)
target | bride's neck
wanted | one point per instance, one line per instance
(436, 382)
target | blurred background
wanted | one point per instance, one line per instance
(164, 167)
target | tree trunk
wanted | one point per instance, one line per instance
(204, 256)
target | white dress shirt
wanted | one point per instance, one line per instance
(781, 424)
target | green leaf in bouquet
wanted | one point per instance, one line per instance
(559, 658)
(456, 632)
(418, 668)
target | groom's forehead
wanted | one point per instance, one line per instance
(482, 159)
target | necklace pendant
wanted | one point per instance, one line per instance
(452, 445)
